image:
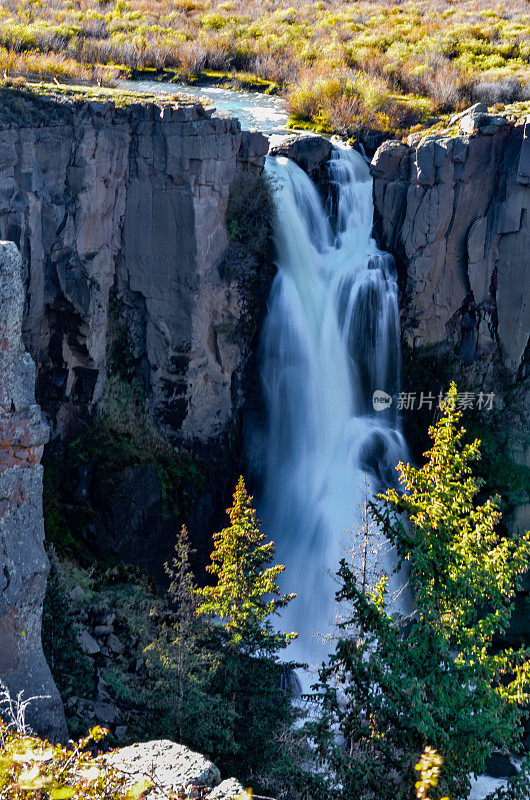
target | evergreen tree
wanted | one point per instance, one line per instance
(214, 668)
(72, 671)
(184, 665)
(246, 594)
(438, 681)
(243, 600)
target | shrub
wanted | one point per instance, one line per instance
(33, 769)
(506, 90)
(438, 53)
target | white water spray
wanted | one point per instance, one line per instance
(331, 338)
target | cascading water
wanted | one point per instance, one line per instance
(330, 340)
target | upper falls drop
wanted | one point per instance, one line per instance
(330, 340)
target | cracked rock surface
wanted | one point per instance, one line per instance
(454, 209)
(119, 213)
(23, 561)
(173, 768)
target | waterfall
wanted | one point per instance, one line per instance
(330, 339)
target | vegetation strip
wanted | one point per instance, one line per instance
(344, 66)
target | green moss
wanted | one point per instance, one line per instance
(428, 369)
(501, 475)
(248, 261)
(297, 124)
(102, 453)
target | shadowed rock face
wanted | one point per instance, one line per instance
(23, 561)
(130, 199)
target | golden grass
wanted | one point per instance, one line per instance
(344, 65)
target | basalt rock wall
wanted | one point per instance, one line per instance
(119, 214)
(118, 299)
(23, 561)
(454, 209)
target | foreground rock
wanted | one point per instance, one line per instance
(174, 768)
(23, 562)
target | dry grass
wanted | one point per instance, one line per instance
(343, 64)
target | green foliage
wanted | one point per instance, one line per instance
(217, 681)
(511, 481)
(106, 449)
(183, 666)
(498, 431)
(33, 769)
(436, 61)
(246, 594)
(436, 680)
(130, 594)
(71, 669)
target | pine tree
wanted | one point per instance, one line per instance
(246, 594)
(185, 666)
(438, 681)
(243, 601)
(214, 668)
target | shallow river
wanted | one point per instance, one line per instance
(256, 112)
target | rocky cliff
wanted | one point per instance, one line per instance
(453, 208)
(119, 213)
(23, 562)
(124, 300)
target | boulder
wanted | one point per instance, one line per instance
(499, 765)
(172, 767)
(87, 643)
(227, 790)
(309, 151)
(23, 562)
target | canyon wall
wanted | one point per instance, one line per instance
(23, 561)
(454, 209)
(119, 210)
(119, 214)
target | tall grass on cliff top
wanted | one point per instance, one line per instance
(343, 65)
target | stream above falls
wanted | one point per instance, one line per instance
(255, 111)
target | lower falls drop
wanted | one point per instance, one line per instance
(330, 340)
